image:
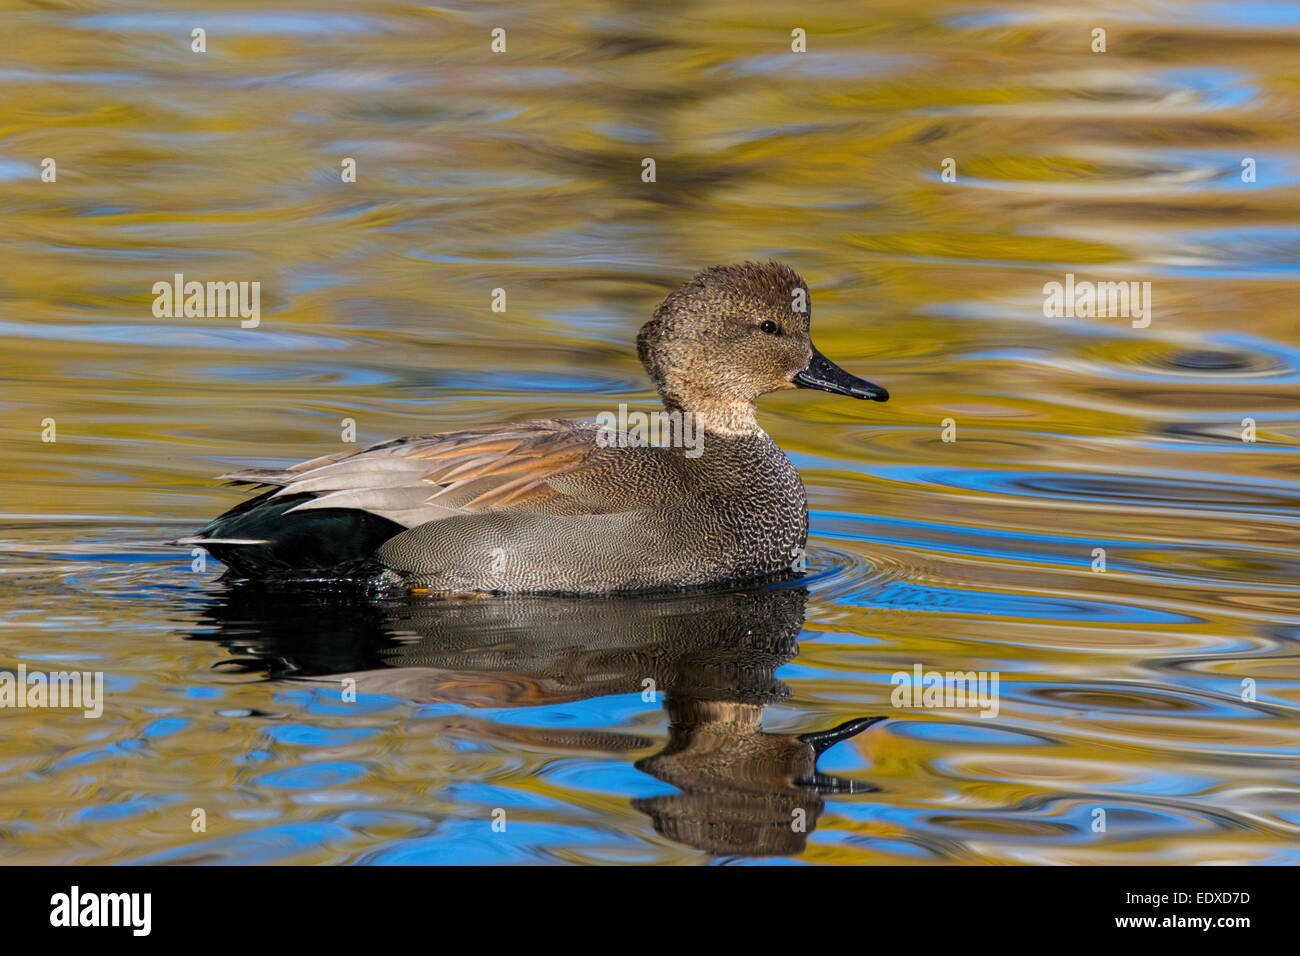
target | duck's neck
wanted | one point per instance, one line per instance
(727, 419)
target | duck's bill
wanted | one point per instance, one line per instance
(824, 374)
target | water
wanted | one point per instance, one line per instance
(1120, 691)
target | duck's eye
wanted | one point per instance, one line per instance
(770, 327)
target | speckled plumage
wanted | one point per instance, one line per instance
(627, 519)
(543, 506)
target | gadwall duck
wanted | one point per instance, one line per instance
(573, 507)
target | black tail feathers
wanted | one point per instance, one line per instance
(259, 539)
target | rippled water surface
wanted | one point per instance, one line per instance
(1127, 691)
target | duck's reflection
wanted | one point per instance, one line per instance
(710, 657)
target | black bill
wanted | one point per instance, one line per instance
(824, 374)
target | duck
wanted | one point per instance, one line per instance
(564, 506)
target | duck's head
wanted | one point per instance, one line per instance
(734, 333)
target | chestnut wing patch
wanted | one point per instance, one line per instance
(415, 480)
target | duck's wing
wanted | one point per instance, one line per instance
(525, 466)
